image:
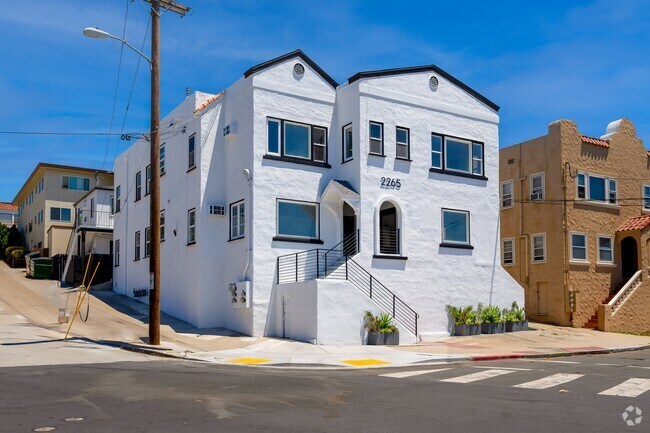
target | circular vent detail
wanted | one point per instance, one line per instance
(433, 82)
(298, 70)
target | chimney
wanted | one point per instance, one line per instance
(187, 92)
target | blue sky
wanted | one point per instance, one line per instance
(588, 61)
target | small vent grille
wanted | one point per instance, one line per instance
(298, 70)
(433, 82)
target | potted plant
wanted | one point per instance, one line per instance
(491, 320)
(381, 329)
(466, 322)
(515, 319)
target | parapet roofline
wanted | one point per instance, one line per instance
(299, 53)
(424, 68)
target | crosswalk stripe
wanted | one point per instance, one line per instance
(403, 374)
(550, 381)
(481, 375)
(630, 388)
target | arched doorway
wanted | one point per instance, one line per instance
(389, 235)
(629, 257)
(350, 238)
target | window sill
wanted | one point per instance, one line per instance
(457, 173)
(376, 154)
(507, 265)
(136, 260)
(583, 202)
(579, 263)
(190, 243)
(297, 240)
(459, 246)
(389, 257)
(348, 160)
(397, 158)
(297, 161)
(606, 265)
(235, 239)
(191, 169)
(538, 262)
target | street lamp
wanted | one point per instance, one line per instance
(95, 33)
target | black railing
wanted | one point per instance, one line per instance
(389, 241)
(335, 263)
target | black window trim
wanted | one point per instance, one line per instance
(288, 238)
(280, 156)
(445, 170)
(449, 244)
(187, 233)
(147, 181)
(343, 128)
(408, 143)
(230, 238)
(138, 188)
(147, 230)
(193, 166)
(137, 243)
(383, 147)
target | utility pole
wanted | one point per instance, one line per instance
(154, 196)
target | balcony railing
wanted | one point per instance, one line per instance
(94, 220)
(389, 241)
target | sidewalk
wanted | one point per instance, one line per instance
(121, 321)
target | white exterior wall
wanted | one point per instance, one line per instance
(195, 278)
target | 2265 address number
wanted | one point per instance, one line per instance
(391, 183)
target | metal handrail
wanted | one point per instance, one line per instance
(622, 294)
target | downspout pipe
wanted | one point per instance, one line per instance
(249, 220)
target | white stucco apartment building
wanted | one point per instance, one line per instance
(288, 163)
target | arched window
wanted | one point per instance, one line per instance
(389, 229)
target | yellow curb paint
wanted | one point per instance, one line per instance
(364, 362)
(249, 361)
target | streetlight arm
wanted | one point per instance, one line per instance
(132, 47)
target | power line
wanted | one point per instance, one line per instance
(125, 136)
(117, 84)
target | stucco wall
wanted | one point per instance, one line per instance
(632, 315)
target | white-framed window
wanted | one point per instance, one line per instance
(191, 226)
(402, 143)
(191, 152)
(76, 183)
(436, 151)
(538, 247)
(646, 197)
(459, 155)
(455, 226)
(111, 200)
(319, 143)
(237, 220)
(297, 142)
(116, 258)
(537, 181)
(597, 188)
(162, 159)
(507, 191)
(162, 225)
(118, 199)
(147, 181)
(138, 186)
(297, 219)
(508, 252)
(147, 242)
(31, 197)
(605, 249)
(376, 134)
(477, 159)
(578, 246)
(41, 185)
(60, 214)
(137, 246)
(348, 143)
(273, 127)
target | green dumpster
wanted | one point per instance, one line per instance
(42, 268)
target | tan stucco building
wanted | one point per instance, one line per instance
(575, 218)
(46, 203)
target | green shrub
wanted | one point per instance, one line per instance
(463, 316)
(17, 253)
(381, 323)
(10, 250)
(515, 314)
(490, 314)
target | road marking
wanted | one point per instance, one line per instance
(403, 374)
(630, 388)
(503, 368)
(554, 361)
(550, 381)
(249, 361)
(606, 365)
(364, 362)
(477, 376)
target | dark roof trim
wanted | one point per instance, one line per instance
(46, 165)
(425, 68)
(284, 57)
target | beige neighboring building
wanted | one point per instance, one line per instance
(46, 203)
(8, 214)
(575, 226)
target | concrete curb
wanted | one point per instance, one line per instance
(153, 352)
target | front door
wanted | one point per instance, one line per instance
(629, 257)
(349, 230)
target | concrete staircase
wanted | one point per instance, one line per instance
(593, 321)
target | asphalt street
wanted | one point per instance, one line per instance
(573, 394)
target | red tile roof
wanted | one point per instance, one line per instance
(209, 101)
(8, 206)
(636, 223)
(596, 141)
